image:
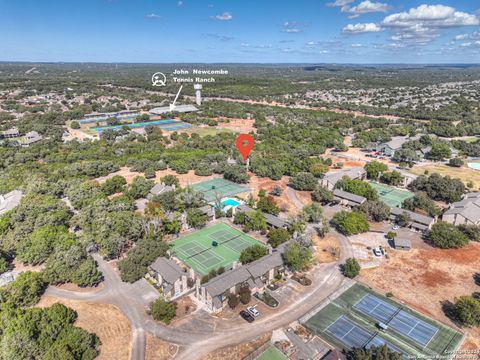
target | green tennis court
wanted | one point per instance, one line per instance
(216, 246)
(391, 196)
(272, 353)
(220, 186)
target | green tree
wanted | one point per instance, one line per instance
(298, 257)
(393, 178)
(244, 294)
(267, 204)
(374, 169)
(322, 195)
(375, 210)
(357, 187)
(456, 162)
(164, 311)
(252, 253)
(351, 268)
(374, 353)
(446, 236)
(278, 236)
(303, 181)
(467, 310)
(440, 151)
(75, 125)
(232, 300)
(25, 290)
(255, 220)
(195, 218)
(170, 180)
(351, 223)
(114, 185)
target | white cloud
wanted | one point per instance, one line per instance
(291, 27)
(423, 24)
(153, 16)
(366, 7)
(356, 45)
(226, 16)
(461, 37)
(361, 28)
(340, 3)
(473, 36)
(436, 16)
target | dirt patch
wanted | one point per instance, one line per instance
(20, 268)
(243, 126)
(76, 288)
(105, 320)
(240, 351)
(267, 184)
(185, 307)
(157, 349)
(328, 248)
(185, 179)
(124, 171)
(427, 278)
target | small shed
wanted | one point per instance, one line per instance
(402, 244)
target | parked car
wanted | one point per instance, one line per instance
(302, 280)
(247, 316)
(272, 287)
(253, 311)
(377, 251)
(395, 227)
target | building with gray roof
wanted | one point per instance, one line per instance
(464, 212)
(330, 179)
(417, 221)
(388, 148)
(168, 276)
(255, 275)
(10, 200)
(348, 199)
(178, 108)
(31, 138)
(271, 220)
(158, 189)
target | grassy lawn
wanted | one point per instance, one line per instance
(271, 354)
(464, 173)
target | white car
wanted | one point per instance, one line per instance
(395, 227)
(377, 251)
(253, 310)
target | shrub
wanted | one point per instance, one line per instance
(162, 310)
(446, 236)
(303, 181)
(351, 223)
(351, 268)
(467, 310)
(252, 253)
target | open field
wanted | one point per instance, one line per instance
(238, 352)
(272, 353)
(328, 248)
(428, 280)
(349, 322)
(207, 130)
(464, 173)
(208, 249)
(159, 350)
(110, 325)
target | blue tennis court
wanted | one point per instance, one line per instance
(348, 333)
(399, 320)
(166, 124)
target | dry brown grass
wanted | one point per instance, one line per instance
(159, 350)
(105, 320)
(240, 351)
(328, 248)
(465, 174)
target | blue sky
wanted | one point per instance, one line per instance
(280, 31)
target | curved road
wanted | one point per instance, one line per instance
(197, 339)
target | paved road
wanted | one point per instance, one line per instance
(201, 337)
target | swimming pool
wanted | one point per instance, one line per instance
(474, 166)
(230, 202)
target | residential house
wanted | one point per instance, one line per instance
(30, 138)
(208, 211)
(159, 189)
(170, 277)
(11, 133)
(466, 211)
(255, 275)
(272, 220)
(10, 200)
(389, 148)
(417, 221)
(330, 179)
(348, 199)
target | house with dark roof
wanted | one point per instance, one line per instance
(330, 179)
(417, 221)
(169, 277)
(348, 199)
(208, 211)
(255, 275)
(271, 220)
(10, 133)
(466, 211)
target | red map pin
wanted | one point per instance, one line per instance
(244, 144)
